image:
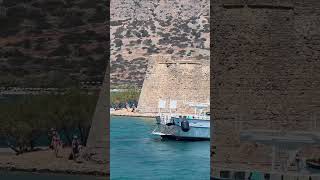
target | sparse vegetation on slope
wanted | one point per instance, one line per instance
(119, 99)
(64, 37)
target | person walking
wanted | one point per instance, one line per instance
(50, 135)
(76, 146)
(127, 106)
(133, 108)
(56, 143)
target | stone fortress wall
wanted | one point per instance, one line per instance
(186, 80)
(266, 63)
(98, 145)
(266, 77)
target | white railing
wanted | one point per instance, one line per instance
(165, 119)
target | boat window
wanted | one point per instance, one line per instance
(225, 174)
(267, 176)
(239, 175)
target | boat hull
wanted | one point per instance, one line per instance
(313, 165)
(198, 130)
(178, 138)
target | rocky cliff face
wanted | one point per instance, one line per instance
(52, 42)
(140, 29)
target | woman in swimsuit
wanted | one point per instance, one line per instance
(56, 143)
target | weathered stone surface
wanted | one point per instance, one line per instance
(184, 80)
(98, 141)
(266, 71)
(143, 28)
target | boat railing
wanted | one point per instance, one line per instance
(165, 119)
(168, 118)
(193, 116)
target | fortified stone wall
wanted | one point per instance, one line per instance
(266, 73)
(97, 147)
(184, 80)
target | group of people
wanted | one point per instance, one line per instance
(57, 144)
(127, 106)
(133, 107)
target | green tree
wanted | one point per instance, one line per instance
(73, 111)
(25, 120)
(131, 94)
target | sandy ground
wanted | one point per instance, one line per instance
(45, 161)
(125, 112)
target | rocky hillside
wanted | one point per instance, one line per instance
(48, 43)
(141, 28)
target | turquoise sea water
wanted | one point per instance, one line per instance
(136, 154)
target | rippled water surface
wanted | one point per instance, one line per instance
(136, 154)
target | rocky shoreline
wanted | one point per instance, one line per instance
(125, 112)
(45, 162)
(50, 171)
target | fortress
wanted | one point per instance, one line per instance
(266, 80)
(185, 80)
(98, 145)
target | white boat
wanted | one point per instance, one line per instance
(184, 126)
